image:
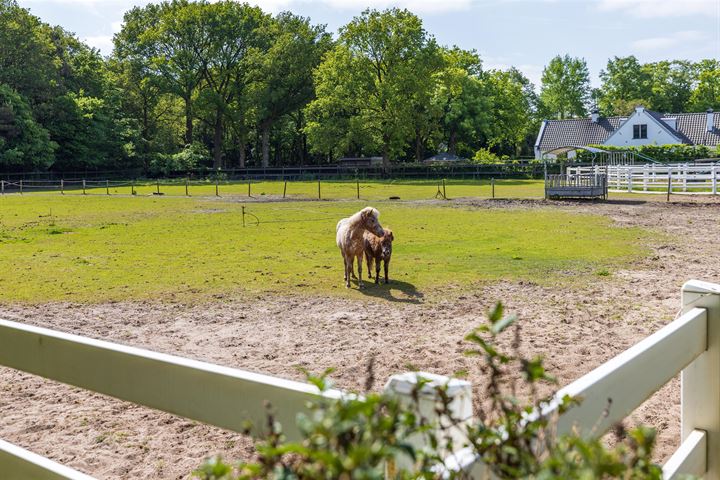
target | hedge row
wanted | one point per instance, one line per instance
(676, 153)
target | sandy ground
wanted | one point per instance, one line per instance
(576, 329)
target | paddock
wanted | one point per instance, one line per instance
(578, 317)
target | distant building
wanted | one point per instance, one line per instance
(354, 162)
(643, 127)
(445, 158)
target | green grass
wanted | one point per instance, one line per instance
(334, 189)
(97, 248)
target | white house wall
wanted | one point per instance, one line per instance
(657, 135)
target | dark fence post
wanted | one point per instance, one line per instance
(492, 182)
(107, 187)
(285, 189)
(62, 187)
(186, 187)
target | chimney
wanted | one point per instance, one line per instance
(595, 115)
(710, 120)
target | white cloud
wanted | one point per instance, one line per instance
(104, 43)
(667, 41)
(660, 8)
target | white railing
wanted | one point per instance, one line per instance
(228, 397)
(657, 178)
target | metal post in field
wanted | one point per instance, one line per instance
(186, 187)
(132, 187)
(217, 187)
(319, 197)
(285, 189)
(157, 186)
(62, 187)
(83, 187)
(21, 187)
(492, 182)
(249, 182)
(444, 193)
(107, 187)
(357, 184)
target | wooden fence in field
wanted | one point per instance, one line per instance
(657, 178)
(228, 397)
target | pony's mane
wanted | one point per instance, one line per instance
(356, 217)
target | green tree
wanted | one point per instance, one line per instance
(511, 117)
(460, 97)
(232, 31)
(368, 84)
(625, 84)
(707, 92)
(282, 80)
(672, 83)
(565, 90)
(24, 144)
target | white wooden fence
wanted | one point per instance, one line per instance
(228, 397)
(657, 178)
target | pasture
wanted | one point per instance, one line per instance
(183, 276)
(99, 249)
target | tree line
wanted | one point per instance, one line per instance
(224, 85)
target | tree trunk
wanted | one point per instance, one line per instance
(188, 120)
(217, 141)
(265, 144)
(386, 156)
(242, 153)
(452, 142)
(418, 148)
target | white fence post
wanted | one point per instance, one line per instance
(646, 174)
(684, 177)
(714, 180)
(700, 381)
(629, 179)
(403, 386)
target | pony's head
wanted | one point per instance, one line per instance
(369, 217)
(386, 243)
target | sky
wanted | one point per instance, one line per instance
(521, 33)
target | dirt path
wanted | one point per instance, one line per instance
(576, 330)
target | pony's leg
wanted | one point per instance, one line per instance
(345, 277)
(377, 270)
(359, 260)
(369, 261)
(386, 262)
(348, 268)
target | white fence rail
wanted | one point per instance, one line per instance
(656, 178)
(228, 397)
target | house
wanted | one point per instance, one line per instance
(642, 127)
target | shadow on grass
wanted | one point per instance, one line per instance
(408, 292)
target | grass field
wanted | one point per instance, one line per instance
(329, 189)
(97, 248)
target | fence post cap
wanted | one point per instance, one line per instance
(405, 383)
(698, 286)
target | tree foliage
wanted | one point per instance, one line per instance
(565, 90)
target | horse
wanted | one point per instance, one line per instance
(349, 237)
(378, 249)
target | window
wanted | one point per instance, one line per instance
(640, 131)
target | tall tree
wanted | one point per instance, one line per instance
(672, 83)
(367, 85)
(282, 80)
(460, 99)
(625, 83)
(707, 92)
(565, 90)
(24, 144)
(164, 37)
(232, 31)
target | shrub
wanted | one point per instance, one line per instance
(678, 153)
(358, 436)
(485, 156)
(187, 159)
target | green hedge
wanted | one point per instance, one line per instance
(676, 153)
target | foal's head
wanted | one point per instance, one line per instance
(386, 243)
(370, 221)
